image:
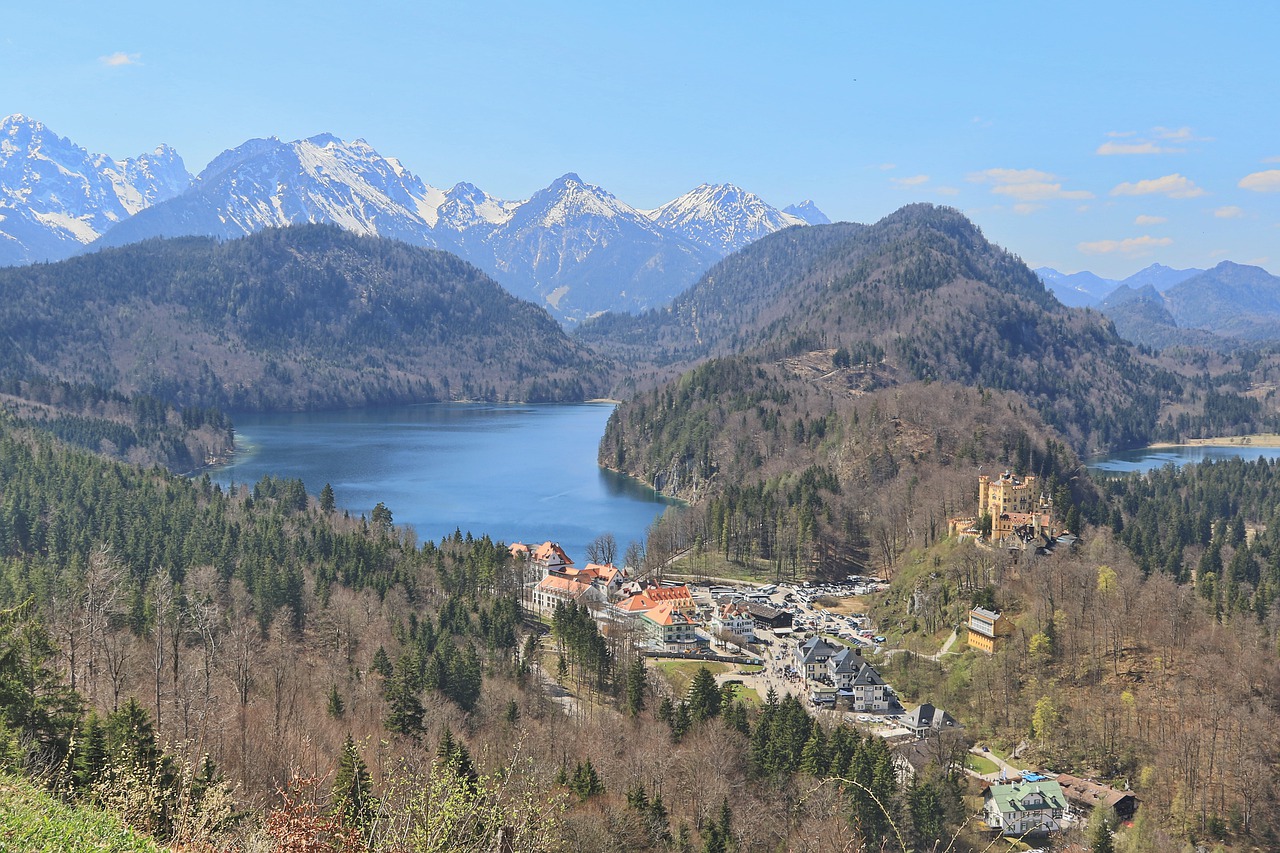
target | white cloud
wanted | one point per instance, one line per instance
(1024, 208)
(1121, 134)
(1174, 186)
(947, 190)
(1039, 191)
(1010, 176)
(1179, 134)
(1110, 148)
(1230, 211)
(913, 181)
(1128, 246)
(1143, 219)
(121, 58)
(1026, 185)
(1271, 159)
(1262, 182)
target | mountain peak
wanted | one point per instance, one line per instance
(808, 211)
(722, 217)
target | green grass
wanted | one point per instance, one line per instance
(680, 673)
(750, 669)
(982, 765)
(34, 822)
(747, 694)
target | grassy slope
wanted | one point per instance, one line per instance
(34, 822)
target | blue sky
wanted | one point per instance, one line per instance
(1102, 136)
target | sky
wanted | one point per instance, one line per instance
(1099, 136)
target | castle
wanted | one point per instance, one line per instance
(1019, 512)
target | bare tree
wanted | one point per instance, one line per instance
(603, 549)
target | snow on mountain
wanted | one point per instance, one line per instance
(583, 251)
(467, 206)
(808, 211)
(572, 246)
(55, 197)
(265, 183)
(722, 217)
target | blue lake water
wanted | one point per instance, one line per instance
(515, 472)
(1149, 458)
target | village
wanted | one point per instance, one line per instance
(780, 638)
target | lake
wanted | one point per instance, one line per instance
(515, 472)
(1150, 458)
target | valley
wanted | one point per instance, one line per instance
(824, 401)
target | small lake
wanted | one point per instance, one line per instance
(515, 472)
(1150, 458)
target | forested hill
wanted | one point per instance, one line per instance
(304, 317)
(920, 295)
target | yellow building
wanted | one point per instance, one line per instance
(1015, 505)
(987, 630)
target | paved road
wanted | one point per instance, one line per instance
(1009, 770)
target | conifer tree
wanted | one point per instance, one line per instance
(404, 709)
(637, 686)
(336, 707)
(353, 799)
(704, 696)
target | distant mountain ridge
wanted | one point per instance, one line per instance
(1221, 308)
(1085, 289)
(572, 246)
(55, 197)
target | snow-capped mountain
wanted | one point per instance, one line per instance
(55, 197)
(583, 251)
(808, 211)
(721, 217)
(266, 182)
(572, 246)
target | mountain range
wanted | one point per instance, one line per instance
(573, 246)
(1087, 290)
(1219, 308)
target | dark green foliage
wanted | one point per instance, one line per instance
(335, 706)
(585, 782)
(326, 498)
(718, 837)
(404, 708)
(637, 686)
(1101, 838)
(704, 696)
(304, 317)
(657, 822)
(1163, 514)
(453, 754)
(353, 799)
(579, 636)
(34, 704)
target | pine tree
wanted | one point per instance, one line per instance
(326, 498)
(336, 706)
(704, 696)
(1100, 837)
(404, 710)
(353, 799)
(637, 686)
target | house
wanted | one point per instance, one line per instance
(927, 718)
(812, 655)
(607, 578)
(1084, 795)
(645, 599)
(734, 618)
(988, 630)
(667, 625)
(768, 618)
(1024, 808)
(549, 557)
(557, 589)
(866, 690)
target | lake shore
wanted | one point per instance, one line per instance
(1266, 439)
